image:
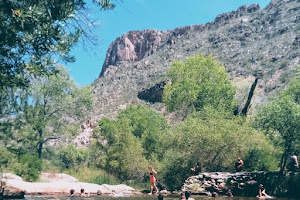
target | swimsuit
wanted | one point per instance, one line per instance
(152, 178)
(236, 166)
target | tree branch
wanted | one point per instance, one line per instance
(51, 138)
(54, 112)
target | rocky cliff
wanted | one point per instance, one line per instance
(248, 41)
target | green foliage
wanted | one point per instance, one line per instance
(176, 168)
(260, 160)
(148, 126)
(72, 158)
(92, 175)
(133, 138)
(124, 157)
(213, 138)
(197, 82)
(52, 101)
(7, 159)
(35, 31)
(28, 167)
(293, 88)
(280, 119)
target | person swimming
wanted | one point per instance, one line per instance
(187, 195)
(160, 197)
(82, 193)
(152, 180)
(182, 196)
(72, 193)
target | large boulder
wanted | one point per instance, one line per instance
(59, 184)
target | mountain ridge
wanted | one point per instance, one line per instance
(248, 41)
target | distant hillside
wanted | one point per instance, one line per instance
(248, 42)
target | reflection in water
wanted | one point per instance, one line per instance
(170, 197)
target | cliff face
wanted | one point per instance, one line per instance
(248, 41)
(133, 46)
(136, 45)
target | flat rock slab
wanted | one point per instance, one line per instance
(56, 186)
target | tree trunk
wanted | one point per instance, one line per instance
(245, 109)
(285, 155)
(40, 144)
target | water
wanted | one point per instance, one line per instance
(143, 197)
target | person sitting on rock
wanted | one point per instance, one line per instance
(214, 194)
(293, 165)
(197, 169)
(229, 193)
(262, 193)
(239, 164)
(187, 195)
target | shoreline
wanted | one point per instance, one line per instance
(58, 185)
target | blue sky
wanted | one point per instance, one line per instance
(139, 15)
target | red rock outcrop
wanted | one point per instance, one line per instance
(133, 46)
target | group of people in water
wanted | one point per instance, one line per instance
(84, 194)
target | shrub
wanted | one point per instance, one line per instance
(71, 157)
(28, 167)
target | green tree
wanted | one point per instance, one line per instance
(133, 138)
(280, 119)
(34, 34)
(34, 31)
(214, 139)
(149, 126)
(124, 154)
(197, 82)
(52, 102)
(72, 158)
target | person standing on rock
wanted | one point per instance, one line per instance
(293, 163)
(239, 164)
(197, 169)
(152, 180)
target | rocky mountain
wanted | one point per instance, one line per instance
(249, 42)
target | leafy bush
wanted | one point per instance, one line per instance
(28, 167)
(260, 160)
(71, 157)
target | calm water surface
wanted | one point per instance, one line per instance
(145, 197)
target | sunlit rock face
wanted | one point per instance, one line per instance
(248, 41)
(133, 46)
